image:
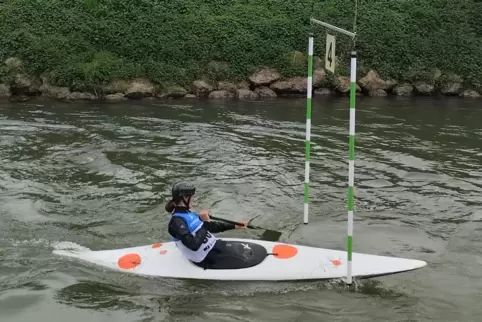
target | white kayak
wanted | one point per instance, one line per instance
(264, 261)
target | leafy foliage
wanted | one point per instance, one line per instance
(90, 42)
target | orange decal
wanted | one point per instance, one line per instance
(157, 245)
(336, 262)
(284, 251)
(129, 261)
(162, 252)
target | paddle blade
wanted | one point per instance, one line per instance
(271, 235)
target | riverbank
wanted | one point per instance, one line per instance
(109, 50)
(266, 83)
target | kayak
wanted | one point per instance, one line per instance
(256, 260)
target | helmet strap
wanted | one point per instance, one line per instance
(186, 203)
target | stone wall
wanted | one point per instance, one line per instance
(267, 83)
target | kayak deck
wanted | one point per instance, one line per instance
(284, 262)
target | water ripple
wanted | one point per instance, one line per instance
(98, 177)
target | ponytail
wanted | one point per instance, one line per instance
(170, 206)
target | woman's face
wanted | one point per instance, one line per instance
(191, 201)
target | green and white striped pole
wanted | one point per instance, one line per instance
(351, 162)
(308, 126)
(351, 166)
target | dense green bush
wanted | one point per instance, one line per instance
(89, 42)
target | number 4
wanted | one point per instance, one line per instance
(330, 53)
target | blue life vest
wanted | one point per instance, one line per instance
(194, 223)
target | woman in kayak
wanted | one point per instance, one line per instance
(193, 232)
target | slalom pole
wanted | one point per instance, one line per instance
(308, 126)
(351, 166)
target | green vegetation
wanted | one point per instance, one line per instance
(82, 43)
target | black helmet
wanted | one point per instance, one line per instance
(182, 189)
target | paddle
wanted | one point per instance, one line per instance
(268, 234)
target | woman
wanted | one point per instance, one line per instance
(193, 232)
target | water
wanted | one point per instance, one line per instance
(97, 176)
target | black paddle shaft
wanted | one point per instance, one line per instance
(236, 223)
(268, 234)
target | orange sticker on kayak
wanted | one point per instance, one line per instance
(129, 261)
(157, 245)
(284, 251)
(336, 262)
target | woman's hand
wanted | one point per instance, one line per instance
(204, 215)
(245, 225)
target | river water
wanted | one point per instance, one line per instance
(97, 176)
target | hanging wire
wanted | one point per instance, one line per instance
(355, 24)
